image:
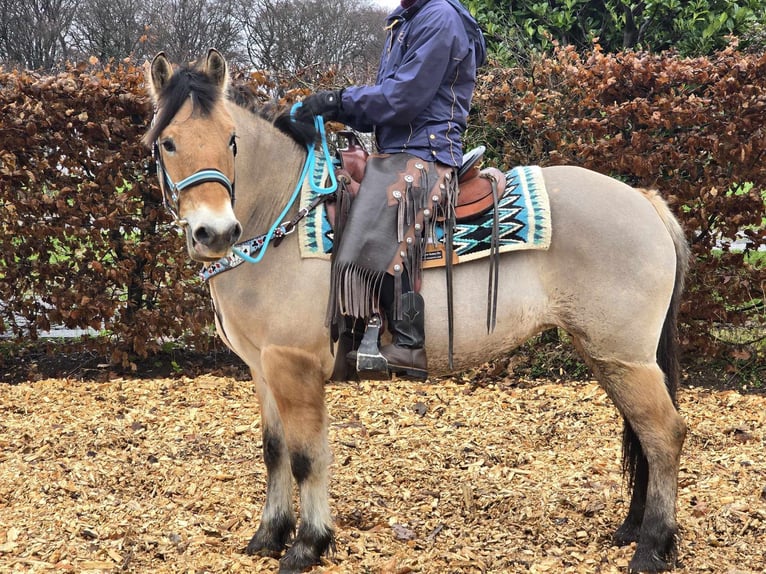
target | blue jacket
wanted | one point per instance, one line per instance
(425, 82)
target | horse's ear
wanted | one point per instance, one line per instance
(217, 69)
(159, 74)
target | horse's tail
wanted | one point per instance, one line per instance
(633, 459)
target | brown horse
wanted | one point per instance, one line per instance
(612, 278)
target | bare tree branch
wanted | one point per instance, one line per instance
(33, 33)
(290, 35)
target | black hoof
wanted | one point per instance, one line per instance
(299, 558)
(306, 551)
(626, 534)
(648, 562)
(271, 540)
(659, 557)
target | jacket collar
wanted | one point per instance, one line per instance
(400, 14)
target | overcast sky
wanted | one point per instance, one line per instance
(388, 4)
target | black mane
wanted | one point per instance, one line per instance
(190, 81)
(246, 97)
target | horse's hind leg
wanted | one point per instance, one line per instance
(278, 518)
(296, 381)
(639, 392)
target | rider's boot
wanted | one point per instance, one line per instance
(406, 355)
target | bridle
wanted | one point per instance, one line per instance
(171, 190)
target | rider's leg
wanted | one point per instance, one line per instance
(349, 338)
(406, 355)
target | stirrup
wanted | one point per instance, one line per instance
(370, 364)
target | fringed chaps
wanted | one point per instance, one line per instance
(390, 222)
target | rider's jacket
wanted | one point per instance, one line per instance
(422, 95)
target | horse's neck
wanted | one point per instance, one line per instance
(269, 164)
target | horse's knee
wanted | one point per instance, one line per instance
(295, 380)
(273, 448)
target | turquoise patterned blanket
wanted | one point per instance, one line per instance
(524, 218)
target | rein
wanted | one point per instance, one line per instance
(309, 167)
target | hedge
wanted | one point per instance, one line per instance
(85, 241)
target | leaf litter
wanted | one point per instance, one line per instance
(166, 476)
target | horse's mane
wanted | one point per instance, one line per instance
(245, 97)
(189, 81)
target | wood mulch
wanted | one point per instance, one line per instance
(166, 475)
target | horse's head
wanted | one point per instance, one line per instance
(194, 141)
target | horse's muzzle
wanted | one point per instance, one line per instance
(208, 242)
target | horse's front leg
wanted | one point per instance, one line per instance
(278, 517)
(296, 381)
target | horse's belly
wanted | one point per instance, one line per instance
(521, 311)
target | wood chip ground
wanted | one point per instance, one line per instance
(166, 476)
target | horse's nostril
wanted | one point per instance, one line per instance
(236, 231)
(202, 235)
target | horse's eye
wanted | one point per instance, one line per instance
(233, 144)
(169, 146)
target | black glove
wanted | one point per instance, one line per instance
(325, 104)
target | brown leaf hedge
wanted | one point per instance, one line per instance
(85, 242)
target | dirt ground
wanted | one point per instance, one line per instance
(166, 475)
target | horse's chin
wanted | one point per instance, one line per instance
(202, 258)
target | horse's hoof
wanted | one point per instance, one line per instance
(255, 548)
(307, 549)
(626, 534)
(648, 561)
(298, 558)
(270, 542)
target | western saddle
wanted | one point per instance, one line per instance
(475, 195)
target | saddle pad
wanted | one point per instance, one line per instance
(524, 221)
(315, 233)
